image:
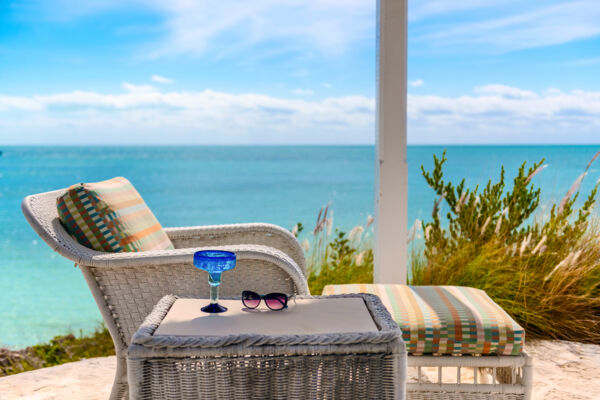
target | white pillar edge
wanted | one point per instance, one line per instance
(391, 169)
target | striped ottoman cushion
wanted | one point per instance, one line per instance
(111, 216)
(445, 319)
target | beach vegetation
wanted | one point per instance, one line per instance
(544, 270)
(59, 350)
(336, 257)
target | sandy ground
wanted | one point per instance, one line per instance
(562, 371)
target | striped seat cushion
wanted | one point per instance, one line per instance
(111, 216)
(445, 319)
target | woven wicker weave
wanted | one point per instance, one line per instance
(369, 365)
(127, 285)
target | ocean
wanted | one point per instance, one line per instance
(42, 294)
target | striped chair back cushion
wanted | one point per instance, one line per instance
(445, 319)
(111, 216)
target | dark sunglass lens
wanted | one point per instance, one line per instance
(276, 301)
(250, 299)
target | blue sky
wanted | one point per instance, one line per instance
(294, 72)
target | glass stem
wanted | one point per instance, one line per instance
(214, 287)
(214, 294)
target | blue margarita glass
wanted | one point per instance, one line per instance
(214, 262)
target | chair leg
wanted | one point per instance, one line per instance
(119, 389)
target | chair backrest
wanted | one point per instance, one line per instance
(40, 211)
(125, 295)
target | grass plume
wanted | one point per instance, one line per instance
(334, 257)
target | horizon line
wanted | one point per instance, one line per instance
(292, 145)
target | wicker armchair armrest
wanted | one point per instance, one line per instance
(237, 234)
(186, 256)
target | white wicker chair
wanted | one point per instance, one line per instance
(126, 286)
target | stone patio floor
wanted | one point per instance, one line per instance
(562, 371)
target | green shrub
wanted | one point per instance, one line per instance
(545, 272)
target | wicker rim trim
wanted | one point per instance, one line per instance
(388, 330)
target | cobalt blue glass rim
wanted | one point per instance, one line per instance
(214, 255)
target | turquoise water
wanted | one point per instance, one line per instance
(42, 295)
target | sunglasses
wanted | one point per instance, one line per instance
(274, 301)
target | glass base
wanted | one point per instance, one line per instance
(214, 308)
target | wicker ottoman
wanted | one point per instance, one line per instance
(181, 353)
(460, 343)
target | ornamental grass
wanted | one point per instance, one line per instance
(334, 257)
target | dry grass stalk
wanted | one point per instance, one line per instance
(413, 231)
(321, 220)
(355, 234)
(565, 262)
(537, 171)
(319, 216)
(513, 249)
(461, 201)
(485, 225)
(437, 205)
(543, 249)
(427, 232)
(540, 245)
(499, 223)
(360, 258)
(574, 188)
(305, 245)
(524, 244)
(592, 160)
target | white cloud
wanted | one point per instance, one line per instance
(491, 114)
(130, 87)
(329, 26)
(503, 114)
(303, 92)
(8, 103)
(526, 25)
(142, 114)
(417, 83)
(226, 26)
(334, 26)
(326, 85)
(423, 9)
(161, 79)
(505, 91)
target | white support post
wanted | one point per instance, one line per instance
(391, 170)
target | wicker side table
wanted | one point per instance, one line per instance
(365, 364)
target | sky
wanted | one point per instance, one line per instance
(294, 72)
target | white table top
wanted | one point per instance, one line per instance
(304, 316)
